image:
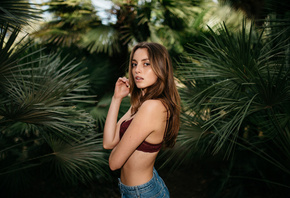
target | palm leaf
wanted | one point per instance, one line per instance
(101, 39)
(71, 19)
(247, 71)
(18, 12)
(11, 49)
(76, 161)
(38, 106)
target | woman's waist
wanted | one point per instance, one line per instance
(134, 176)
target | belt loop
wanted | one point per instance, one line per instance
(137, 191)
(120, 186)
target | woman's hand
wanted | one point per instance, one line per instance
(121, 88)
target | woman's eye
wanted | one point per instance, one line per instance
(147, 64)
(134, 64)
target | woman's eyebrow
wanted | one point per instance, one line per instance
(145, 59)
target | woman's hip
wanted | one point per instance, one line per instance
(155, 188)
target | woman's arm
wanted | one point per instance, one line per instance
(111, 129)
(149, 118)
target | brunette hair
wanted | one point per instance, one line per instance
(164, 89)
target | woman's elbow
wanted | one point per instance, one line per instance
(107, 146)
(113, 165)
(113, 168)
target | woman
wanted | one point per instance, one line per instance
(151, 121)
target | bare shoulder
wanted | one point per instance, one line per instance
(153, 107)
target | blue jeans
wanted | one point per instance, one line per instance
(155, 188)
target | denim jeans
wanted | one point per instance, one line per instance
(155, 188)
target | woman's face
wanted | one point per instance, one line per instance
(142, 72)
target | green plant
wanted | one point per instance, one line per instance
(236, 91)
(44, 134)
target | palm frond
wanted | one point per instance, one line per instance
(247, 73)
(18, 12)
(49, 100)
(76, 161)
(10, 52)
(71, 19)
(39, 113)
(101, 39)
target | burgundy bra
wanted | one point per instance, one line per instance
(144, 146)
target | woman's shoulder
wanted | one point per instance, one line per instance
(152, 106)
(152, 103)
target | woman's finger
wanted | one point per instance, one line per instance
(125, 80)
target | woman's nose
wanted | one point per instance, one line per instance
(138, 69)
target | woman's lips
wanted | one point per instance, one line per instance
(138, 78)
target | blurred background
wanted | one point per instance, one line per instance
(59, 61)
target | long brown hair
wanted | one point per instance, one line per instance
(163, 89)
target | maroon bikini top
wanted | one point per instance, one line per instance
(144, 146)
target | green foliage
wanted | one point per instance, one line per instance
(71, 19)
(104, 49)
(18, 12)
(236, 89)
(260, 10)
(44, 135)
(95, 38)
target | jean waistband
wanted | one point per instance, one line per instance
(143, 187)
